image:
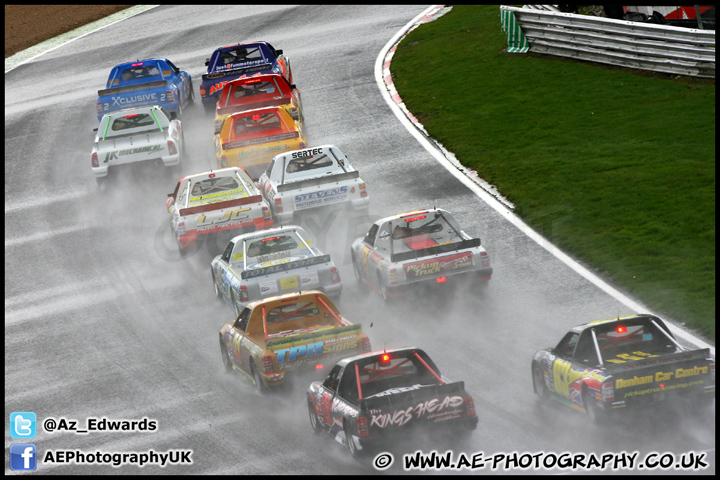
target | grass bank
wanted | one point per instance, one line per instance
(616, 167)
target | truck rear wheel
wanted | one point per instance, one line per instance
(225, 357)
(218, 293)
(593, 412)
(383, 290)
(357, 272)
(235, 305)
(539, 383)
(314, 422)
(256, 377)
(350, 442)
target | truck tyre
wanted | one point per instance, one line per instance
(191, 97)
(593, 412)
(358, 273)
(225, 358)
(256, 377)
(218, 293)
(350, 443)
(383, 290)
(235, 305)
(539, 384)
(314, 422)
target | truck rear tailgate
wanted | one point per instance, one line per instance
(305, 349)
(653, 378)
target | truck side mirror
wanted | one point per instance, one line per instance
(279, 52)
(207, 62)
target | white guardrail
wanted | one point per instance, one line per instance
(645, 46)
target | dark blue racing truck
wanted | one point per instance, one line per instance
(239, 61)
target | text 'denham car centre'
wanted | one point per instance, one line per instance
(628, 362)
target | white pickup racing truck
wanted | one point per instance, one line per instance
(225, 200)
(311, 178)
(136, 136)
(272, 262)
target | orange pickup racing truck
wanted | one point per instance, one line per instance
(286, 333)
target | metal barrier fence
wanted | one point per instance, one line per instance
(645, 46)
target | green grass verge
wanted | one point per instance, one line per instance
(616, 167)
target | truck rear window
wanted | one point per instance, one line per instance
(620, 342)
(256, 88)
(256, 123)
(217, 186)
(272, 245)
(303, 164)
(290, 312)
(132, 121)
(139, 72)
(239, 55)
(422, 231)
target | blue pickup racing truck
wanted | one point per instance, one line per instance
(239, 61)
(144, 83)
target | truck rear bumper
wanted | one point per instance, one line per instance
(475, 277)
(190, 237)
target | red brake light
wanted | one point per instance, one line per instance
(95, 162)
(137, 64)
(99, 107)
(172, 148)
(267, 364)
(365, 341)
(385, 357)
(411, 219)
(621, 329)
(268, 239)
(335, 275)
(212, 175)
(256, 117)
(362, 428)
(469, 406)
(318, 367)
(441, 279)
(131, 116)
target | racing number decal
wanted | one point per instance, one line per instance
(326, 408)
(561, 371)
(236, 348)
(365, 253)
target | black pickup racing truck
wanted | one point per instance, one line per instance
(371, 399)
(633, 361)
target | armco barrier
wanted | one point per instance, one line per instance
(645, 46)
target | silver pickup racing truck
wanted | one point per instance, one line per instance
(136, 136)
(225, 200)
(272, 262)
(424, 248)
(311, 178)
